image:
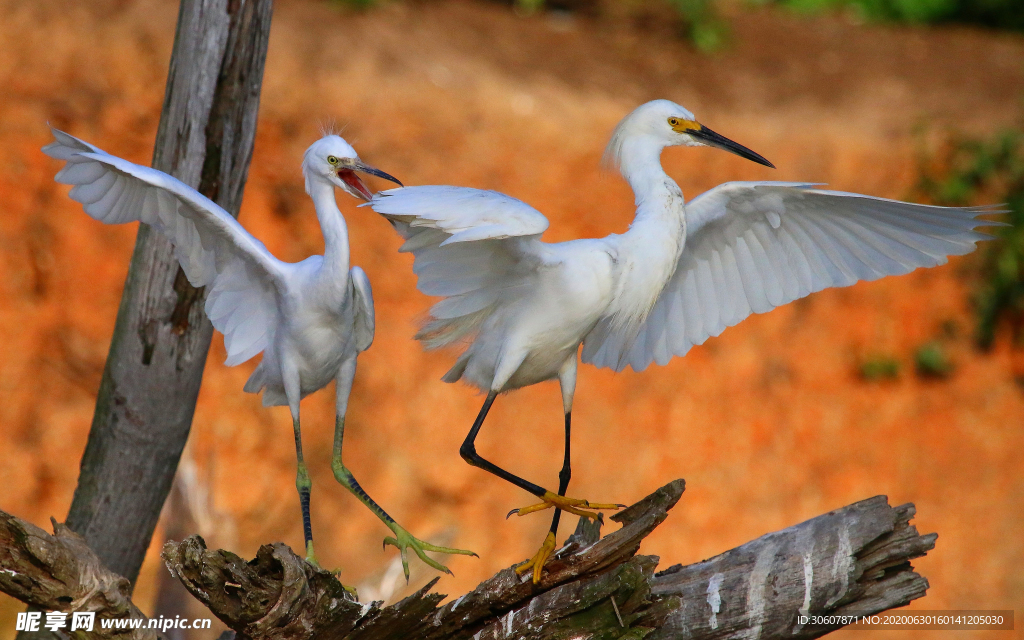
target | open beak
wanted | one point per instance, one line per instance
(712, 139)
(347, 174)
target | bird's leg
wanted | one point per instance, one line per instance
(469, 454)
(550, 499)
(567, 383)
(304, 485)
(567, 380)
(302, 481)
(402, 539)
(548, 546)
(582, 508)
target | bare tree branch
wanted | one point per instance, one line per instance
(61, 573)
(855, 560)
(852, 561)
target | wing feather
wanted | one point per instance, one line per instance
(753, 246)
(214, 250)
(472, 247)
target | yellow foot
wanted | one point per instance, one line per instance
(569, 505)
(537, 561)
(403, 540)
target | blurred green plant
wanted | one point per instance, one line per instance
(1000, 14)
(931, 361)
(529, 6)
(700, 21)
(355, 4)
(992, 169)
(879, 367)
(703, 26)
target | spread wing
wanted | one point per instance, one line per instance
(753, 246)
(213, 248)
(471, 246)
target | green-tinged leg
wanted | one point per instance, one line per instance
(304, 484)
(402, 539)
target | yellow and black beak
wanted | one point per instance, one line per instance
(712, 139)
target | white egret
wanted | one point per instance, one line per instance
(310, 319)
(682, 273)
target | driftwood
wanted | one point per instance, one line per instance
(60, 572)
(852, 561)
(855, 560)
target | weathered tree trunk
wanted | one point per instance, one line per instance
(147, 396)
(852, 561)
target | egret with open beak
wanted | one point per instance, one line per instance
(310, 319)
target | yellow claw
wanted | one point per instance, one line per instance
(575, 506)
(537, 561)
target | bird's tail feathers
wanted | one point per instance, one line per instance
(441, 332)
(455, 373)
(256, 381)
(273, 396)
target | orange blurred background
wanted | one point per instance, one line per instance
(770, 424)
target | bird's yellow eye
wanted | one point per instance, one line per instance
(682, 125)
(333, 160)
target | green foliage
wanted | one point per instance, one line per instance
(701, 23)
(931, 361)
(1002, 14)
(355, 4)
(993, 169)
(880, 367)
(529, 6)
(703, 26)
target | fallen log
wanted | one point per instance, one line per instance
(854, 560)
(849, 562)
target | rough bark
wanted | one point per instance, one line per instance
(147, 395)
(61, 573)
(857, 560)
(852, 561)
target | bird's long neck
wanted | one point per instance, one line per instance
(650, 249)
(656, 195)
(332, 224)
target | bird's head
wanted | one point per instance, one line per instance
(663, 123)
(333, 160)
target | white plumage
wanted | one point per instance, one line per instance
(753, 246)
(682, 273)
(310, 319)
(306, 318)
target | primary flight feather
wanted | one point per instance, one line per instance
(683, 272)
(309, 319)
